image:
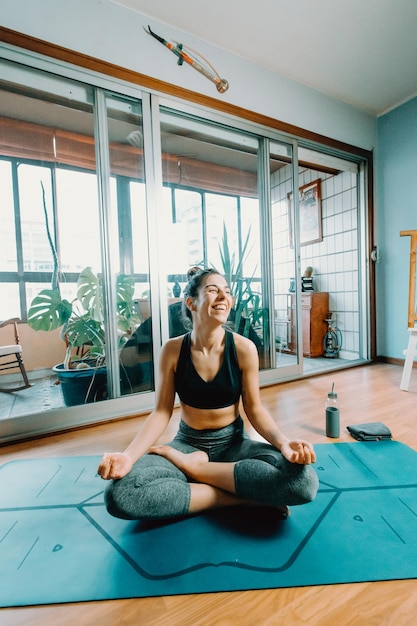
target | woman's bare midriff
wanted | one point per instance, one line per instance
(203, 419)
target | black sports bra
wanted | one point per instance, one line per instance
(224, 390)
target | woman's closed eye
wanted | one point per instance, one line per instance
(216, 290)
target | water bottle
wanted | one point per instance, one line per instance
(332, 414)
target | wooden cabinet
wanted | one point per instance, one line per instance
(315, 310)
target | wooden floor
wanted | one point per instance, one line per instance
(367, 393)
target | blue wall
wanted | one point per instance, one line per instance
(396, 210)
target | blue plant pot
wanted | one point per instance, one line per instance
(82, 386)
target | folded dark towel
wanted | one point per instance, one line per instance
(371, 431)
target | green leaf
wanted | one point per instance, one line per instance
(125, 289)
(48, 311)
(82, 330)
(125, 286)
(227, 261)
(90, 294)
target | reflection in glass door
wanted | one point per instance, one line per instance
(126, 233)
(214, 215)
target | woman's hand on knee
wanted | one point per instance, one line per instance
(114, 465)
(298, 451)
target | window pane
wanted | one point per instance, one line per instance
(8, 260)
(78, 220)
(187, 231)
(10, 301)
(250, 227)
(139, 229)
(37, 254)
(221, 212)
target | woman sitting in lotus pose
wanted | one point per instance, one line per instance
(211, 462)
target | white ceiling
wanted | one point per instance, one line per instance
(363, 52)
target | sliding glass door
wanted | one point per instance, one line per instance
(114, 194)
(76, 263)
(216, 213)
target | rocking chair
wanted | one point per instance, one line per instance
(11, 358)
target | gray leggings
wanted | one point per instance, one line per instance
(157, 489)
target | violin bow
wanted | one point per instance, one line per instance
(191, 57)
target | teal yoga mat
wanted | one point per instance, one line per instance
(58, 544)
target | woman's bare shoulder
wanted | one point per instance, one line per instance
(241, 341)
(245, 347)
(169, 356)
(172, 347)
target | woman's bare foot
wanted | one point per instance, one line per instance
(218, 486)
(188, 463)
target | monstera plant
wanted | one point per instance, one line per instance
(82, 320)
(82, 328)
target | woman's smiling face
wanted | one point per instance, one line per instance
(214, 298)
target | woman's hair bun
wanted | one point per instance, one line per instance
(193, 271)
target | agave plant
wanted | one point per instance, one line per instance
(82, 320)
(247, 303)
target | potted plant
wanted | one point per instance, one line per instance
(250, 319)
(83, 374)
